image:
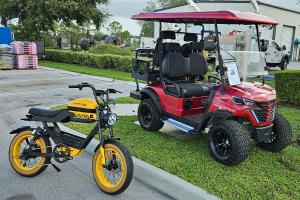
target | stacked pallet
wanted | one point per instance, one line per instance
(5, 57)
(24, 55)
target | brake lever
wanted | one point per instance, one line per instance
(100, 92)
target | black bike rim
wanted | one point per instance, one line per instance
(222, 146)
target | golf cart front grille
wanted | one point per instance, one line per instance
(265, 111)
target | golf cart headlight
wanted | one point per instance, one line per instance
(243, 101)
(249, 102)
(111, 119)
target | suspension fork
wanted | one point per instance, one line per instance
(101, 138)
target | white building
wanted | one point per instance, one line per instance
(285, 33)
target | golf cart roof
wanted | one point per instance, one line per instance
(207, 17)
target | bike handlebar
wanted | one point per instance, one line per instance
(95, 92)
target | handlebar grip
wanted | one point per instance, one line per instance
(73, 86)
(76, 86)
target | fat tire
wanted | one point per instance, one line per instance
(283, 132)
(129, 164)
(156, 123)
(239, 138)
(47, 159)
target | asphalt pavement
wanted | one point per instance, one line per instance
(21, 90)
(294, 65)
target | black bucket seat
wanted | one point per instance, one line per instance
(175, 68)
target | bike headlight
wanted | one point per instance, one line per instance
(243, 101)
(111, 119)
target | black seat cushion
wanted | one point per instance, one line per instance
(174, 65)
(189, 90)
(50, 115)
(198, 65)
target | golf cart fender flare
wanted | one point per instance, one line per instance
(103, 142)
(217, 116)
(21, 129)
(285, 57)
(150, 93)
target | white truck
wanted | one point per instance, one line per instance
(276, 56)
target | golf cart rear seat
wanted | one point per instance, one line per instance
(175, 69)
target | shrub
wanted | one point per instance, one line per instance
(287, 85)
(121, 63)
(111, 49)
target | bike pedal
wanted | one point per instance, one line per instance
(56, 168)
(70, 158)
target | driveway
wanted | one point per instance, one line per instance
(20, 90)
(294, 65)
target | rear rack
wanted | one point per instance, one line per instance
(144, 69)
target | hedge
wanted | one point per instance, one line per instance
(288, 85)
(121, 63)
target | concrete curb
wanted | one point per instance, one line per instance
(157, 178)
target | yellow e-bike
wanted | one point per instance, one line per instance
(30, 151)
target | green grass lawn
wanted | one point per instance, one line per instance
(126, 100)
(263, 175)
(108, 73)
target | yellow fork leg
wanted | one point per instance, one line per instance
(102, 154)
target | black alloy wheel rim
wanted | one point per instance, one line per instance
(222, 146)
(273, 138)
(146, 116)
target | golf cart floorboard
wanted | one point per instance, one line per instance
(195, 119)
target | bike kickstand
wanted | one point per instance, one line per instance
(55, 167)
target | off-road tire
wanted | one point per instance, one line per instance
(239, 139)
(39, 169)
(283, 65)
(128, 174)
(155, 124)
(283, 135)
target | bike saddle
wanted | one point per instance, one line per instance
(50, 115)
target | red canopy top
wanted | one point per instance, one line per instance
(208, 17)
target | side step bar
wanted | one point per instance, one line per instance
(181, 126)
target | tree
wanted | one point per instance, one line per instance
(115, 28)
(125, 36)
(38, 16)
(152, 5)
(170, 3)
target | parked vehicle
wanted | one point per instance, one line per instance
(232, 112)
(31, 151)
(276, 56)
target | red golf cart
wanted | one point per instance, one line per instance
(232, 112)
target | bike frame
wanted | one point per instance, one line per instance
(74, 141)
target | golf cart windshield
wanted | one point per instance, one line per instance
(240, 43)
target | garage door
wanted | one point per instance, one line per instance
(288, 34)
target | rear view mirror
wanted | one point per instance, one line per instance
(264, 45)
(283, 47)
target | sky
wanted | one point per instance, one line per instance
(122, 10)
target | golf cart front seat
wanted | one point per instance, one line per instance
(175, 68)
(192, 38)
